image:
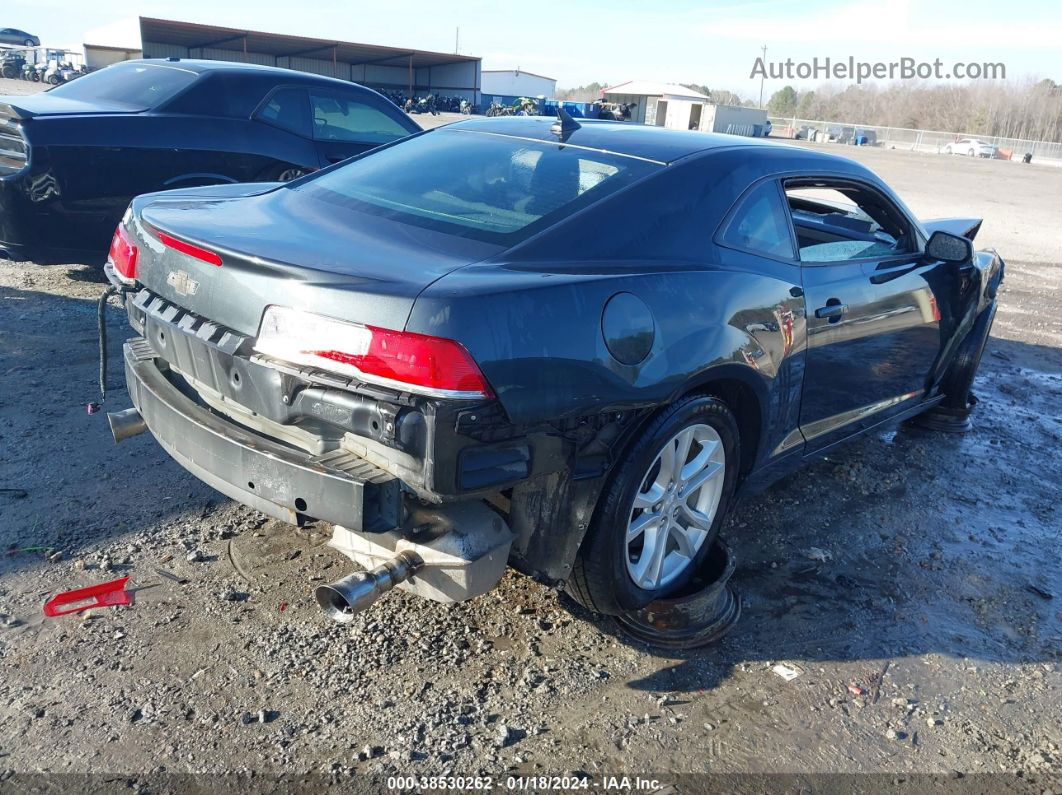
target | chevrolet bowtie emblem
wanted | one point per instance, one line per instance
(182, 283)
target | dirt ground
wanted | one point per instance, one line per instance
(912, 579)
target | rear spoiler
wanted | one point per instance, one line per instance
(14, 111)
(963, 227)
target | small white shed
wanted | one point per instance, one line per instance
(659, 104)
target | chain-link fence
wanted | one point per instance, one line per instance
(913, 140)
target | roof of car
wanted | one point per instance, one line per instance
(639, 140)
(201, 66)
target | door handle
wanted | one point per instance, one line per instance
(833, 310)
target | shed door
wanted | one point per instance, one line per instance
(661, 113)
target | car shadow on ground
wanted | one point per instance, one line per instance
(904, 542)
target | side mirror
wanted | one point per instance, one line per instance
(950, 248)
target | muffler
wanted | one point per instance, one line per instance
(125, 424)
(355, 592)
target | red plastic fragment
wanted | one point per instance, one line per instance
(283, 606)
(106, 594)
(856, 690)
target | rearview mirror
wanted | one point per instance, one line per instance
(947, 247)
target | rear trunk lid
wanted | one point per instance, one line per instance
(48, 104)
(280, 248)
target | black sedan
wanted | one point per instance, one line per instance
(566, 347)
(72, 158)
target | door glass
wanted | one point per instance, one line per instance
(337, 118)
(760, 225)
(287, 109)
(838, 224)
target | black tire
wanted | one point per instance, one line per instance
(600, 581)
(29, 43)
(958, 380)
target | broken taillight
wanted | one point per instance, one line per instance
(123, 255)
(398, 359)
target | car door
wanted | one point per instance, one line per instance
(7, 36)
(873, 304)
(347, 124)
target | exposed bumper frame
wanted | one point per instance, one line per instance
(279, 481)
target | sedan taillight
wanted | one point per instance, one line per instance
(398, 359)
(123, 255)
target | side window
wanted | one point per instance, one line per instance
(288, 109)
(760, 224)
(339, 118)
(842, 222)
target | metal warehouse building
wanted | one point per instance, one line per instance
(516, 83)
(395, 68)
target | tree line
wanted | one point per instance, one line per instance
(1010, 109)
(1031, 110)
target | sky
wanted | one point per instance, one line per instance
(611, 41)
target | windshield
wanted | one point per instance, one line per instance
(485, 186)
(136, 86)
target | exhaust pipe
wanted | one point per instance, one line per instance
(125, 424)
(355, 592)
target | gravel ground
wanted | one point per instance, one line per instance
(912, 580)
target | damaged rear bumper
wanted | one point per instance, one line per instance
(460, 549)
(280, 481)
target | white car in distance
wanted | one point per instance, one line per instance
(971, 147)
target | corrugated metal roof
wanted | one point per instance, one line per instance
(195, 36)
(650, 88)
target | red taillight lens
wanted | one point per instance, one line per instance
(399, 359)
(123, 254)
(203, 254)
(434, 363)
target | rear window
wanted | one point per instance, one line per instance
(137, 86)
(488, 187)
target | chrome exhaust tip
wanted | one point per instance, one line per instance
(125, 424)
(342, 599)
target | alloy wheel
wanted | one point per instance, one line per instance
(288, 174)
(673, 511)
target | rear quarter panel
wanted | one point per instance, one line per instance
(537, 335)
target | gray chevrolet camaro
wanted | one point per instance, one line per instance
(564, 348)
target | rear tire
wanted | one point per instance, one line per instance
(679, 517)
